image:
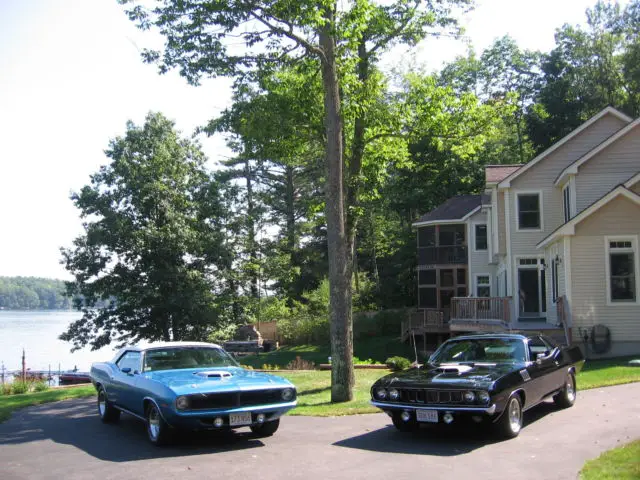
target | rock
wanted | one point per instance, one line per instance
(634, 363)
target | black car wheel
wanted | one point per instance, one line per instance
(567, 396)
(157, 429)
(108, 413)
(510, 422)
(402, 425)
(266, 429)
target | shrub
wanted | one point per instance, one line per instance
(300, 364)
(368, 361)
(20, 387)
(398, 363)
(267, 366)
(5, 389)
(40, 386)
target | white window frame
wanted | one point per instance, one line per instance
(476, 284)
(607, 262)
(566, 202)
(540, 267)
(473, 239)
(517, 195)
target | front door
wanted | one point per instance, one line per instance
(531, 289)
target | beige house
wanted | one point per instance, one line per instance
(552, 245)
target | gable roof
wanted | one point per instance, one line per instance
(506, 183)
(573, 168)
(632, 181)
(496, 173)
(569, 228)
(456, 209)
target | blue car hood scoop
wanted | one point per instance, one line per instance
(214, 374)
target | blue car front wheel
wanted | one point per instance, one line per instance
(266, 429)
(157, 429)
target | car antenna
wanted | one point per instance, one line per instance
(415, 349)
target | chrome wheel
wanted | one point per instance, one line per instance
(570, 389)
(154, 423)
(515, 415)
(102, 403)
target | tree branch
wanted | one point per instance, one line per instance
(289, 34)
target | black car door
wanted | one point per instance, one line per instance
(541, 369)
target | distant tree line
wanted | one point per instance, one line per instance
(32, 293)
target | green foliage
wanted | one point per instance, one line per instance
(5, 389)
(383, 323)
(19, 387)
(22, 293)
(40, 386)
(222, 334)
(153, 241)
(398, 363)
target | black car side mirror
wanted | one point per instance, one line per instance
(126, 370)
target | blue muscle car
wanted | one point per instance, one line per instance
(189, 385)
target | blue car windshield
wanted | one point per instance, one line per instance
(186, 357)
(486, 350)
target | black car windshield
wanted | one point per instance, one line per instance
(172, 358)
(485, 350)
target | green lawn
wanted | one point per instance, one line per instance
(622, 463)
(9, 403)
(603, 373)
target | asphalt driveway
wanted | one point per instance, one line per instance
(67, 440)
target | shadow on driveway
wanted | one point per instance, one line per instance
(76, 423)
(437, 440)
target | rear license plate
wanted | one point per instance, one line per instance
(430, 416)
(236, 419)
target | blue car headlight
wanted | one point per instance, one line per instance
(288, 394)
(182, 403)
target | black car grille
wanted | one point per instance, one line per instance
(207, 401)
(449, 397)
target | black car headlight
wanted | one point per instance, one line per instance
(394, 394)
(380, 393)
(287, 394)
(483, 397)
(469, 397)
(182, 403)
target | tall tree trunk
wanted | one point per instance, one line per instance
(342, 378)
(251, 232)
(291, 211)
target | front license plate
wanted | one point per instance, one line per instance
(236, 419)
(430, 416)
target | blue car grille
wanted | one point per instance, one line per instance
(431, 396)
(207, 401)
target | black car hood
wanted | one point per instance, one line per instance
(448, 375)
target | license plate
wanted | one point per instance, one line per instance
(427, 416)
(236, 419)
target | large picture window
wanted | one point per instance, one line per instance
(529, 211)
(622, 269)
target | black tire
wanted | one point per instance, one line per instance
(108, 413)
(567, 396)
(266, 429)
(158, 430)
(510, 423)
(403, 426)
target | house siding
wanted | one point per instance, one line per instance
(502, 243)
(588, 267)
(611, 167)
(542, 176)
(479, 261)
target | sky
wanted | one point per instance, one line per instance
(71, 77)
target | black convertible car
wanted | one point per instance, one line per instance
(488, 379)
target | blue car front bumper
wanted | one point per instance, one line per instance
(203, 419)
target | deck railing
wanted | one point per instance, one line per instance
(450, 255)
(489, 308)
(431, 319)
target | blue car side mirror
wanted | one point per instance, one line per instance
(126, 370)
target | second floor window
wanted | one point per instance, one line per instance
(481, 237)
(529, 211)
(566, 203)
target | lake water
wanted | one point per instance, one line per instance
(37, 332)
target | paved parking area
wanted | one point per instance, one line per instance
(66, 440)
